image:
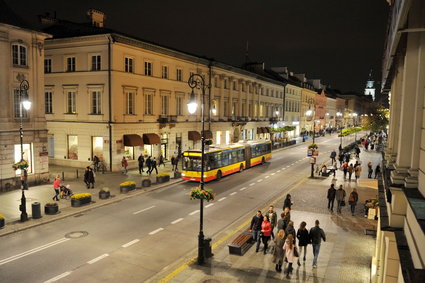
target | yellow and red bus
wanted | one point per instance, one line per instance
(224, 160)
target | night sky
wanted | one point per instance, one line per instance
(338, 41)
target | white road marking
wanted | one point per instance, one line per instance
(260, 180)
(209, 205)
(272, 174)
(292, 164)
(177, 221)
(97, 259)
(278, 171)
(283, 168)
(60, 276)
(287, 166)
(234, 193)
(130, 243)
(137, 212)
(267, 177)
(34, 250)
(194, 212)
(252, 184)
(242, 189)
(156, 231)
(223, 198)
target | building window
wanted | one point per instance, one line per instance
(129, 152)
(234, 108)
(73, 147)
(225, 84)
(96, 102)
(70, 64)
(165, 72)
(129, 66)
(243, 87)
(179, 106)
(215, 82)
(129, 105)
(148, 69)
(243, 110)
(225, 108)
(148, 104)
(19, 55)
(164, 105)
(71, 104)
(48, 102)
(179, 75)
(19, 111)
(249, 89)
(47, 66)
(95, 63)
(234, 85)
(97, 147)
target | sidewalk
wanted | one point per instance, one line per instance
(10, 201)
(344, 257)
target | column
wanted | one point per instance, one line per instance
(221, 102)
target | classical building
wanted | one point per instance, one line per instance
(400, 249)
(330, 117)
(21, 57)
(112, 95)
(320, 110)
(308, 96)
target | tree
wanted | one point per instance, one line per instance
(376, 121)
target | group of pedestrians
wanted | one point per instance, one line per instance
(286, 248)
(340, 195)
(151, 164)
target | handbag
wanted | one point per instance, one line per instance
(296, 254)
(343, 203)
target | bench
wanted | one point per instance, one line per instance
(241, 244)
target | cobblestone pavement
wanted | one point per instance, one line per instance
(344, 257)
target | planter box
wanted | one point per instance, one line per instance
(2, 222)
(162, 179)
(177, 175)
(104, 195)
(51, 210)
(80, 201)
(146, 183)
(126, 189)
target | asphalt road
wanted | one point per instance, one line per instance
(132, 240)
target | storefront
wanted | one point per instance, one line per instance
(151, 143)
(130, 142)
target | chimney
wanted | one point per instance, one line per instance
(97, 18)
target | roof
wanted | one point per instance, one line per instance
(8, 16)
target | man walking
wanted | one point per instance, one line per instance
(149, 164)
(340, 196)
(331, 197)
(255, 227)
(141, 160)
(333, 156)
(316, 236)
(153, 166)
(272, 218)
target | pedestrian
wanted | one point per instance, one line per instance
(266, 229)
(316, 235)
(149, 164)
(341, 158)
(284, 220)
(173, 163)
(350, 171)
(255, 228)
(96, 163)
(331, 197)
(141, 161)
(334, 169)
(347, 157)
(345, 169)
(333, 156)
(357, 149)
(290, 230)
(91, 177)
(303, 240)
(352, 200)
(279, 241)
(56, 187)
(369, 170)
(287, 203)
(358, 171)
(288, 248)
(177, 162)
(377, 171)
(86, 177)
(340, 197)
(124, 165)
(161, 161)
(372, 146)
(272, 218)
(153, 166)
(340, 148)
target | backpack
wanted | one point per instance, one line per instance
(351, 198)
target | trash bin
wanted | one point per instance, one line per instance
(207, 248)
(36, 210)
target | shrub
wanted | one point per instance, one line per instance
(80, 196)
(313, 145)
(127, 184)
(1, 216)
(163, 175)
(104, 189)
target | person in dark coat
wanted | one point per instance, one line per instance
(377, 171)
(347, 157)
(141, 161)
(149, 164)
(173, 163)
(278, 250)
(369, 170)
(340, 197)
(341, 158)
(89, 177)
(333, 156)
(331, 197)
(153, 166)
(290, 230)
(352, 200)
(287, 203)
(255, 228)
(316, 235)
(161, 160)
(303, 240)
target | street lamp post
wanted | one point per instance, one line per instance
(198, 82)
(310, 112)
(23, 103)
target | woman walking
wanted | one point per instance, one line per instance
(288, 248)
(303, 240)
(56, 187)
(287, 203)
(278, 250)
(266, 230)
(352, 200)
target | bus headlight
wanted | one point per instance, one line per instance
(183, 174)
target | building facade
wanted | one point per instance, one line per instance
(320, 110)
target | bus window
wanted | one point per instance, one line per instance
(192, 163)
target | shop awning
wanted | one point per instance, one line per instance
(194, 136)
(151, 138)
(208, 135)
(133, 140)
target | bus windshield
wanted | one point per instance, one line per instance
(192, 163)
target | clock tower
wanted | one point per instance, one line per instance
(370, 86)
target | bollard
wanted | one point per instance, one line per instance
(36, 210)
(76, 170)
(63, 176)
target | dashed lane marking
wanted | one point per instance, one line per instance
(137, 212)
(194, 212)
(278, 171)
(234, 193)
(97, 259)
(242, 189)
(267, 177)
(130, 243)
(259, 180)
(209, 205)
(60, 276)
(223, 198)
(157, 230)
(252, 184)
(272, 174)
(177, 221)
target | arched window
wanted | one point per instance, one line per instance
(19, 55)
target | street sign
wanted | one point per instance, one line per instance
(309, 152)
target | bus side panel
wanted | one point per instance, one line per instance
(248, 156)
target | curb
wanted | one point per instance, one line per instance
(86, 208)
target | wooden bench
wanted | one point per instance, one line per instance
(241, 243)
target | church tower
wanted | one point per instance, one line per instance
(370, 86)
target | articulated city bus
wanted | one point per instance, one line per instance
(224, 160)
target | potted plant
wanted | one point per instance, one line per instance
(146, 182)
(51, 208)
(23, 164)
(104, 193)
(2, 221)
(162, 178)
(80, 199)
(313, 146)
(127, 186)
(198, 193)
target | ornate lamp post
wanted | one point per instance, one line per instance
(26, 104)
(198, 82)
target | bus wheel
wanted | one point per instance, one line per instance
(241, 168)
(219, 175)
(263, 161)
